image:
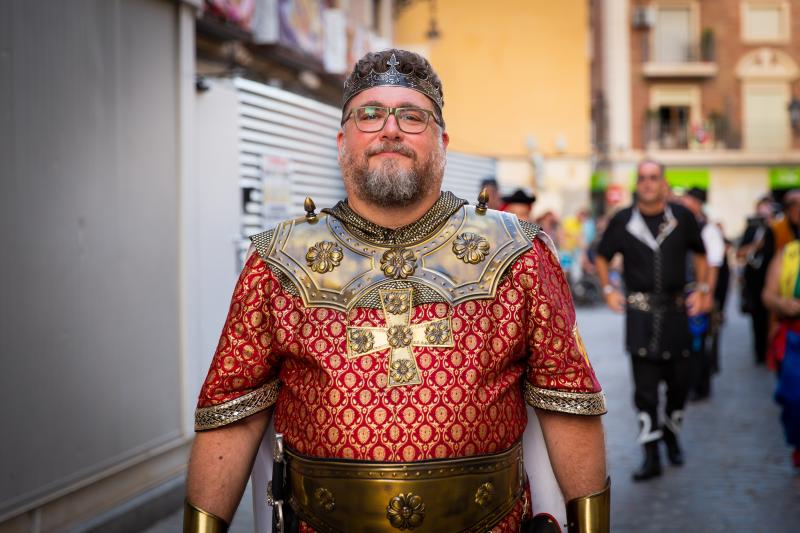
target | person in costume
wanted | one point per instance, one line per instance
(783, 231)
(519, 203)
(704, 356)
(654, 238)
(395, 340)
(750, 254)
(782, 296)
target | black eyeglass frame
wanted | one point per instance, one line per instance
(393, 111)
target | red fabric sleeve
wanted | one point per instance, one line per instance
(557, 357)
(244, 360)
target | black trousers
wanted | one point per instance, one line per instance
(701, 368)
(760, 317)
(647, 374)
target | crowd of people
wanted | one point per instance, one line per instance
(770, 251)
(619, 257)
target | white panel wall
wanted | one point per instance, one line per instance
(464, 173)
(213, 213)
(89, 298)
(274, 122)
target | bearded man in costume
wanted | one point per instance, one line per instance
(396, 339)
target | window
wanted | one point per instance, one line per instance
(672, 40)
(766, 120)
(674, 110)
(673, 127)
(765, 21)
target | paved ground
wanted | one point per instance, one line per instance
(737, 476)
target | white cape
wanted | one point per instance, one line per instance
(546, 494)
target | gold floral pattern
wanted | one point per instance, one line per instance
(361, 341)
(324, 499)
(406, 511)
(324, 257)
(437, 332)
(402, 371)
(484, 494)
(471, 247)
(399, 336)
(398, 263)
(397, 303)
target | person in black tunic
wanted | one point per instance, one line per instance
(654, 238)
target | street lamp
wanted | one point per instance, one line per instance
(433, 31)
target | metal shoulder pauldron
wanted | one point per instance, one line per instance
(329, 267)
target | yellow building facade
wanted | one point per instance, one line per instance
(516, 87)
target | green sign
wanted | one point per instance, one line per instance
(784, 178)
(600, 180)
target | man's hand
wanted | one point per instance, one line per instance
(221, 462)
(695, 303)
(698, 303)
(615, 300)
(789, 307)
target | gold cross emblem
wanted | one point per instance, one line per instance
(399, 336)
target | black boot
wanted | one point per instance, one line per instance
(674, 452)
(651, 466)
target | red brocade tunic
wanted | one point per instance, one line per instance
(523, 344)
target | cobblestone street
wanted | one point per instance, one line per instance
(738, 475)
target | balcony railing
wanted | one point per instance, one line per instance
(693, 60)
(713, 134)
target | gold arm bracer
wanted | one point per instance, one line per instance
(592, 513)
(196, 520)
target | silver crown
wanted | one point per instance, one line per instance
(394, 78)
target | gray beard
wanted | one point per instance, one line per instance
(390, 185)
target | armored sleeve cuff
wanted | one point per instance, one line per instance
(592, 513)
(576, 403)
(226, 413)
(196, 520)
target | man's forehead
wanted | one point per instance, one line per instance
(649, 166)
(391, 97)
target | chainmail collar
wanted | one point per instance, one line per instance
(447, 204)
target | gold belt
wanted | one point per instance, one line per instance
(468, 494)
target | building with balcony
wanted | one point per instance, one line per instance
(709, 87)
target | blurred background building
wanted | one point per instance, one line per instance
(516, 81)
(710, 88)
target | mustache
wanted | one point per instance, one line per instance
(399, 148)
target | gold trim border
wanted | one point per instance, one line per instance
(576, 403)
(226, 413)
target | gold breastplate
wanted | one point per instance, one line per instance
(328, 266)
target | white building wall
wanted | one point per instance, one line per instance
(94, 330)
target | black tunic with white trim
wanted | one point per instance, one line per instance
(654, 250)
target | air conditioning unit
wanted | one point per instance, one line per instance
(644, 17)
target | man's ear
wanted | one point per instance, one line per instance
(445, 138)
(340, 145)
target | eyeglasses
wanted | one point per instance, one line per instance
(651, 177)
(371, 119)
